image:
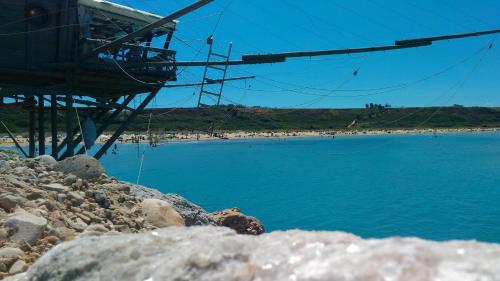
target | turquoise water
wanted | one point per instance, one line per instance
(441, 188)
(445, 187)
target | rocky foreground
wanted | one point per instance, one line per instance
(69, 221)
(44, 203)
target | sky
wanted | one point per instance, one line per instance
(465, 72)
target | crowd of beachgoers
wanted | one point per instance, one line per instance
(162, 137)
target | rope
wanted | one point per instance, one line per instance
(144, 150)
(81, 131)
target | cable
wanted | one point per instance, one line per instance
(81, 131)
(144, 152)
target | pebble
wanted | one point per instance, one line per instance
(61, 197)
(18, 267)
(55, 187)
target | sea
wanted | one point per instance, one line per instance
(439, 187)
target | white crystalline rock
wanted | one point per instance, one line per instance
(210, 253)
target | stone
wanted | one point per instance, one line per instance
(25, 226)
(17, 277)
(18, 267)
(4, 233)
(213, 253)
(47, 160)
(35, 194)
(10, 252)
(70, 179)
(9, 202)
(82, 166)
(94, 230)
(17, 183)
(57, 187)
(160, 213)
(192, 213)
(65, 234)
(242, 224)
(100, 197)
(76, 198)
(61, 197)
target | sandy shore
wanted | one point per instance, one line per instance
(242, 135)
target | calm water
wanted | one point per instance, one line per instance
(437, 188)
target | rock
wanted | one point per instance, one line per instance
(160, 213)
(101, 198)
(25, 226)
(47, 160)
(82, 166)
(35, 194)
(192, 214)
(17, 183)
(9, 202)
(4, 234)
(234, 219)
(94, 230)
(17, 277)
(18, 267)
(4, 166)
(65, 234)
(210, 253)
(57, 187)
(75, 198)
(9, 252)
(61, 197)
(69, 180)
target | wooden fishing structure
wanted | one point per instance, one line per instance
(57, 55)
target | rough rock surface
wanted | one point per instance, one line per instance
(82, 166)
(24, 226)
(211, 253)
(192, 213)
(41, 207)
(233, 218)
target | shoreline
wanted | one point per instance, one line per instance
(131, 138)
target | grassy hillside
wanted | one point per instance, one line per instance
(260, 119)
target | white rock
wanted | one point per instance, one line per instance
(210, 253)
(47, 160)
(25, 226)
(81, 166)
(160, 213)
(18, 267)
(9, 252)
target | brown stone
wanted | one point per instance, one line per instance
(242, 224)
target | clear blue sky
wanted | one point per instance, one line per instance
(458, 72)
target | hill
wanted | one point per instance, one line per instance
(232, 118)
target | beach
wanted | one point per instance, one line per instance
(162, 137)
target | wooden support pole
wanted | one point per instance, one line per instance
(70, 149)
(13, 138)
(41, 125)
(31, 127)
(125, 124)
(107, 122)
(53, 124)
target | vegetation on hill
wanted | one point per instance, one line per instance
(230, 118)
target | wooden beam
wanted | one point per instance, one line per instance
(446, 37)
(14, 140)
(251, 58)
